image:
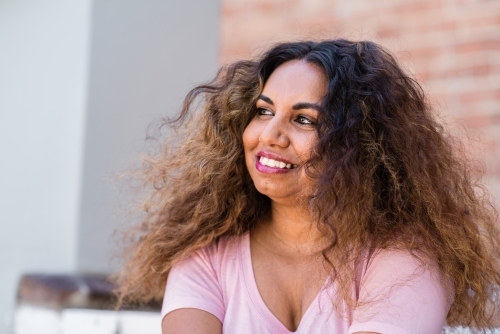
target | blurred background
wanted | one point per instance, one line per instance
(81, 81)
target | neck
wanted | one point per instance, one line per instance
(290, 231)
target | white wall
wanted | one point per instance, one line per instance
(80, 81)
(145, 56)
(44, 48)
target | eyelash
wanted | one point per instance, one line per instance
(309, 121)
(261, 111)
(299, 119)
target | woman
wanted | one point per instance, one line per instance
(314, 193)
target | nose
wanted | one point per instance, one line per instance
(275, 133)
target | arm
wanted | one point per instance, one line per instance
(193, 301)
(190, 321)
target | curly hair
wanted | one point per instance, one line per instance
(388, 175)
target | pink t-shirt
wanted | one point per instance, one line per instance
(405, 296)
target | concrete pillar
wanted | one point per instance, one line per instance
(145, 56)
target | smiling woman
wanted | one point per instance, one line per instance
(314, 192)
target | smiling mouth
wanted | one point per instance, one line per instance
(275, 163)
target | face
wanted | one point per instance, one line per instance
(281, 136)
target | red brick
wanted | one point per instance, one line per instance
(472, 96)
(452, 47)
(482, 121)
(483, 45)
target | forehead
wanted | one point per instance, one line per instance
(298, 80)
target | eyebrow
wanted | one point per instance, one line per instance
(296, 106)
(265, 99)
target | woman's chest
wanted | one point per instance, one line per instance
(248, 312)
(274, 297)
(288, 289)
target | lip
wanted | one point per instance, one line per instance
(273, 156)
(271, 170)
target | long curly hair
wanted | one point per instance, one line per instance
(388, 175)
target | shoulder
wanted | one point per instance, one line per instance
(201, 279)
(403, 290)
(387, 271)
(215, 255)
(398, 264)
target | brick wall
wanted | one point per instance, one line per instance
(452, 47)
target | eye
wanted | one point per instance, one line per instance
(305, 120)
(264, 112)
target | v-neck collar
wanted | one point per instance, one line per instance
(256, 299)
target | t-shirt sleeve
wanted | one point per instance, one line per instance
(398, 294)
(193, 283)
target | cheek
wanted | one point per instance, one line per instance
(305, 146)
(250, 137)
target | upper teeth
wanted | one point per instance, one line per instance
(274, 163)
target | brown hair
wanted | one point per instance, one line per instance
(388, 175)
